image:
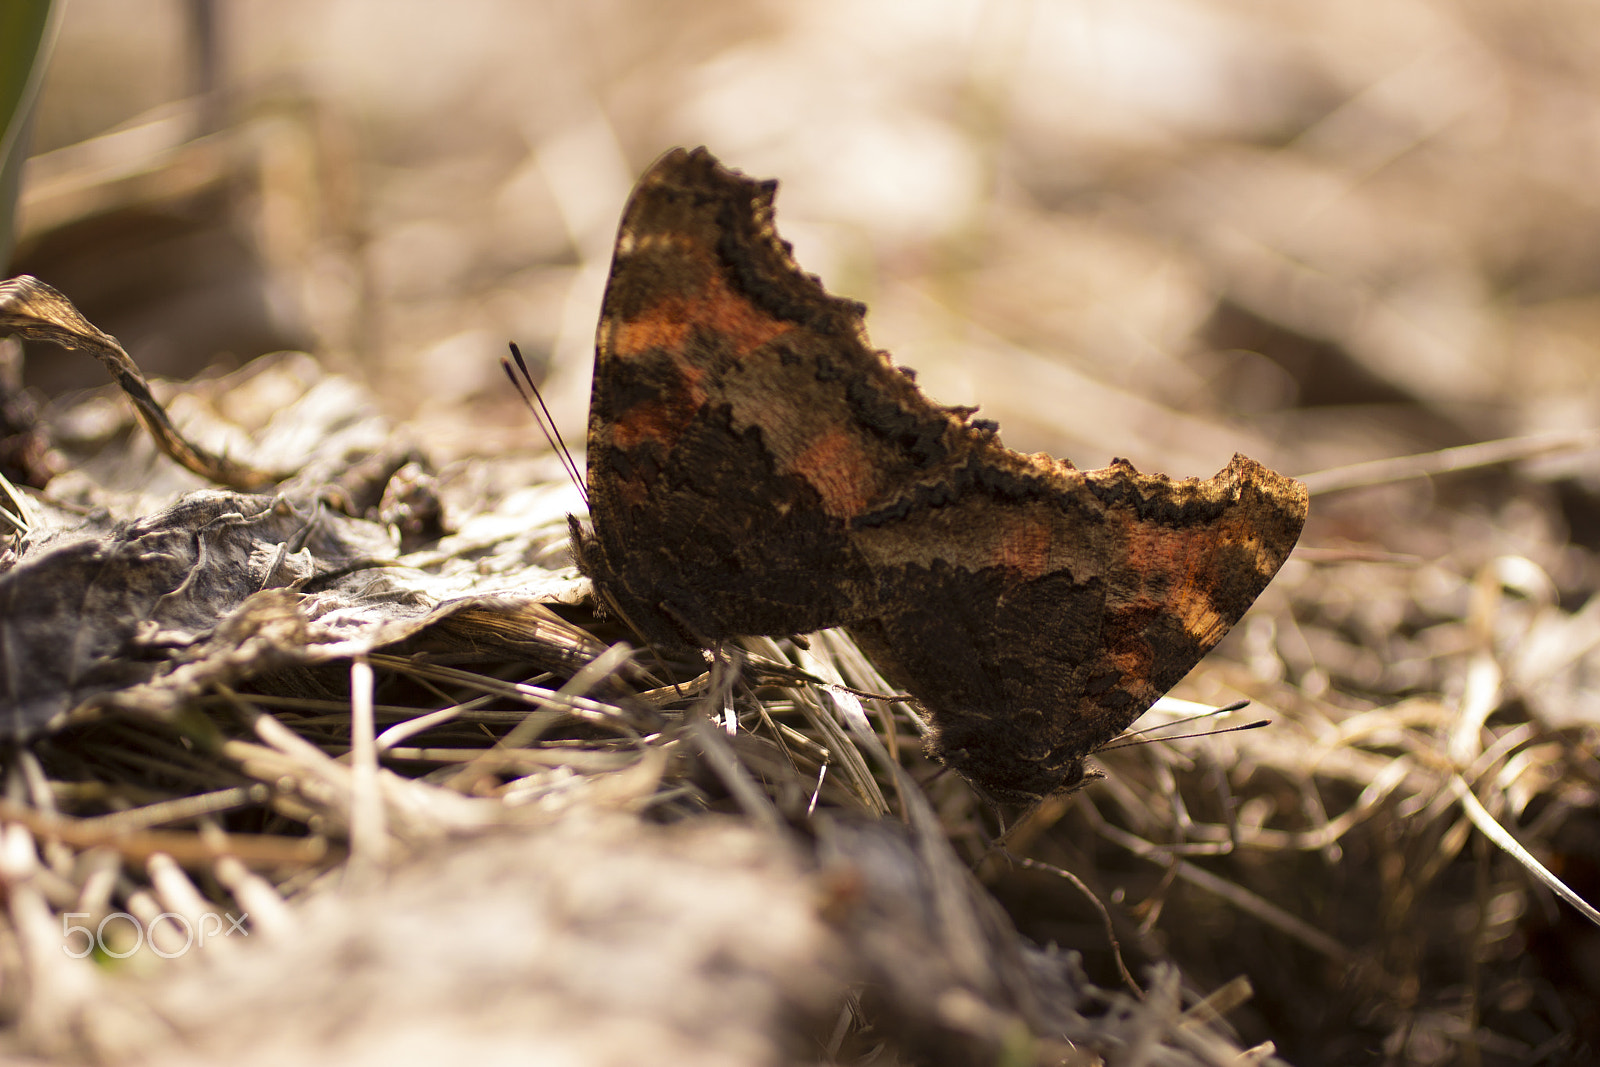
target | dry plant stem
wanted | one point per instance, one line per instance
(1491, 828)
(58, 985)
(19, 516)
(269, 915)
(178, 894)
(1218, 1004)
(1196, 1031)
(422, 723)
(470, 711)
(1099, 906)
(846, 706)
(338, 712)
(1243, 899)
(182, 765)
(1447, 460)
(670, 694)
(719, 754)
(948, 883)
(816, 790)
(369, 836)
(33, 310)
(101, 871)
(414, 811)
(38, 784)
(583, 761)
(257, 850)
(844, 753)
(796, 742)
(178, 809)
(775, 730)
(783, 736)
(562, 700)
(842, 1026)
(529, 730)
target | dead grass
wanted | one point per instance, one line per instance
(1327, 876)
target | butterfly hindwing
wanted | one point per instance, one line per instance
(1063, 603)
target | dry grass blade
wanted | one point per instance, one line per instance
(530, 728)
(369, 836)
(32, 309)
(1490, 827)
(16, 516)
(255, 850)
(1217, 1004)
(1448, 460)
(720, 756)
(1095, 902)
(1251, 903)
(180, 809)
(567, 700)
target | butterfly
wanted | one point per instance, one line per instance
(755, 467)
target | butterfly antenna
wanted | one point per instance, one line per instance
(529, 392)
(1136, 737)
(1237, 705)
(1132, 739)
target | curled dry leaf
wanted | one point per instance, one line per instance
(32, 309)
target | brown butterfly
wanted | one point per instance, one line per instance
(755, 467)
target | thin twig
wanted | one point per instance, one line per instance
(1447, 460)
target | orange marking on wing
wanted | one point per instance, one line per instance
(717, 308)
(1134, 659)
(655, 420)
(1183, 561)
(661, 420)
(663, 326)
(1025, 547)
(837, 468)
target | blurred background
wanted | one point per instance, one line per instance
(1167, 229)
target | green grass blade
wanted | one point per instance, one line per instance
(25, 30)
